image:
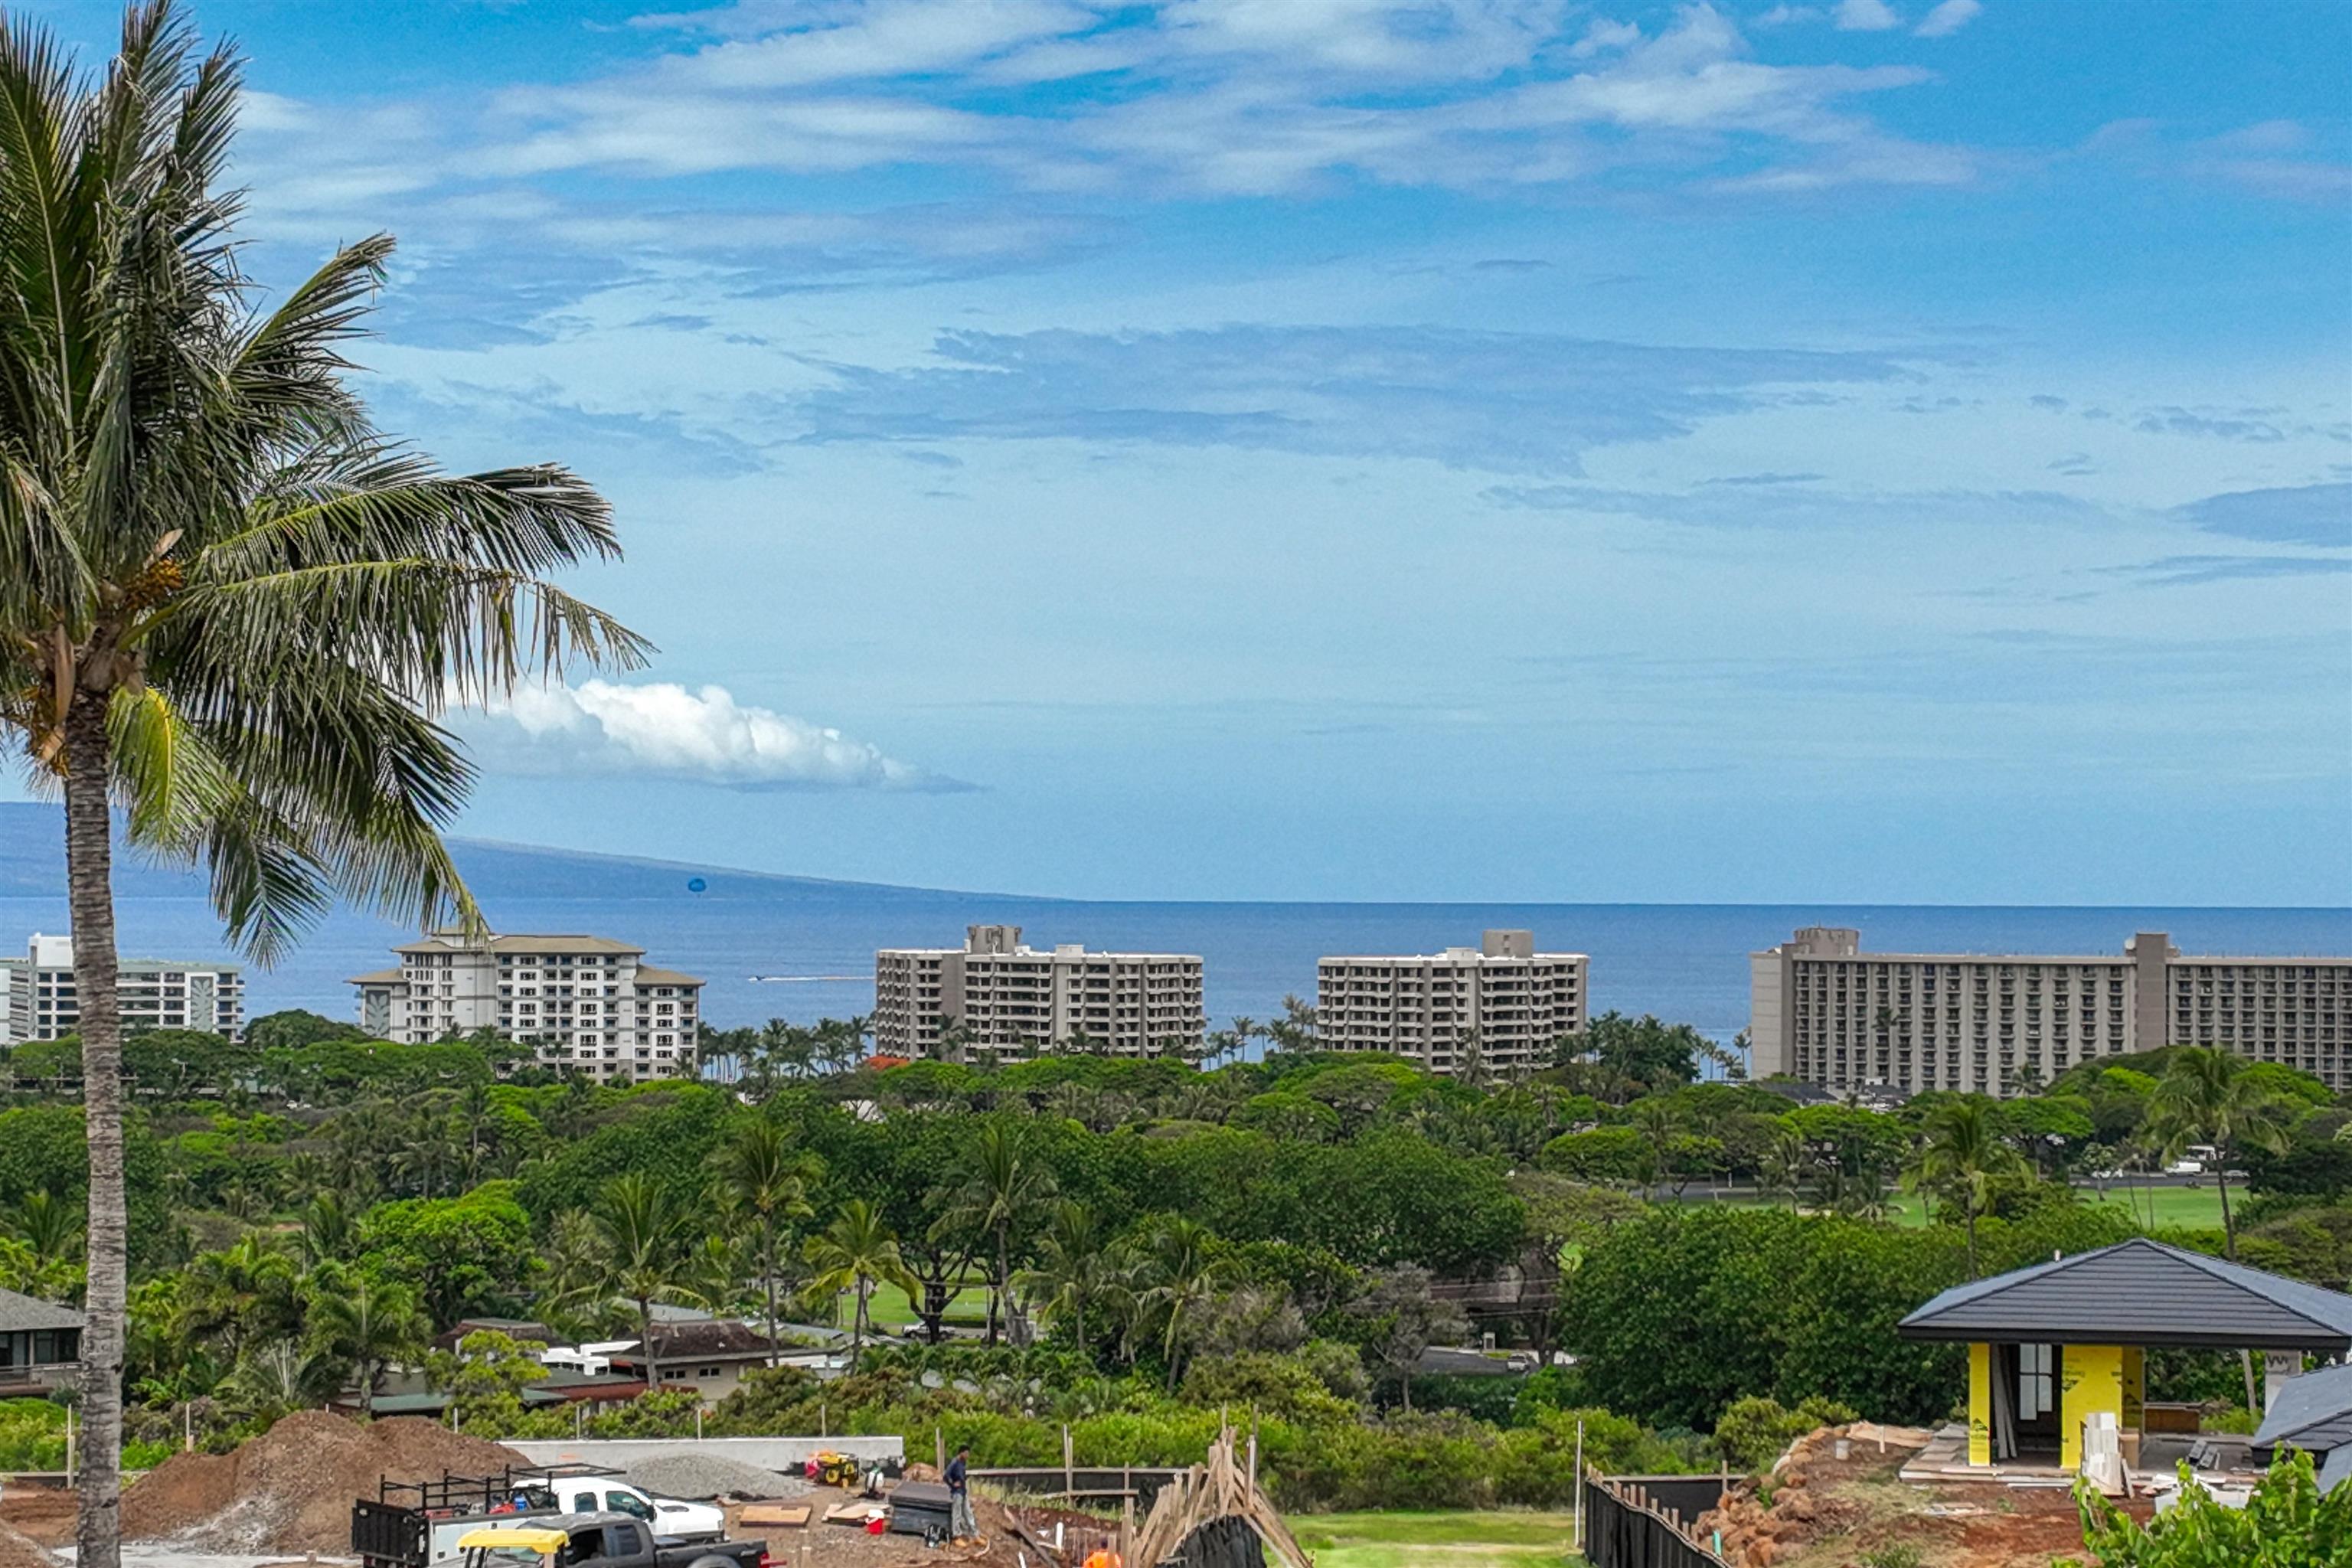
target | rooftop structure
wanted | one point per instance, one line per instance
(1499, 1007)
(2052, 1345)
(40, 1346)
(44, 1003)
(588, 1003)
(1823, 1010)
(996, 994)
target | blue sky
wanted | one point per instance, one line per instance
(1482, 449)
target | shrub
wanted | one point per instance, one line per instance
(2287, 1522)
(1755, 1431)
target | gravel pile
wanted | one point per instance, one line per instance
(700, 1477)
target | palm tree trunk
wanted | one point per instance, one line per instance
(2229, 1226)
(1971, 1212)
(89, 849)
(645, 1326)
(768, 1266)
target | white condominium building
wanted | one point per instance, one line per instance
(154, 993)
(587, 1001)
(1823, 1010)
(1017, 1001)
(1501, 1003)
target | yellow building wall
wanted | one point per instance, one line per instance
(2090, 1378)
(1979, 1405)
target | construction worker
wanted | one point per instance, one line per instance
(962, 1522)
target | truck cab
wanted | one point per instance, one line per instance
(670, 1517)
(600, 1539)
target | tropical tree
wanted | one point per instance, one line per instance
(2208, 1095)
(1787, 1164)
(368, 1325)
(645, 1241)
(1072, 1272)
(227, 604)
(1003, 1187)
(1962, 1158)
(758, 1175)
(1173, 1273)
(48, 1225)
(856, 1253)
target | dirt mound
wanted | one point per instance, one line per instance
(16, 1551)
(291, 1488)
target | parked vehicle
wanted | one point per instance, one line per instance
(607, 1539)
(412, 1525)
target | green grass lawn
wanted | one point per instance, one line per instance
(1508, 1540)
(892, 1310)
(2196, 1207)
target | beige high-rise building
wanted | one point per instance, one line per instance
(587, 1002)
(1823, 1010)
(1017, 1002)
(1501, 1002)
(39, 1000)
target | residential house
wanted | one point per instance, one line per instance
(40, 1346)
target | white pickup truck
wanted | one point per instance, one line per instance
(672, 1518)
(412, 1525)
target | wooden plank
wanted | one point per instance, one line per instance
(768, 1513)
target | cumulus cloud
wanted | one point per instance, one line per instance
(661, 730)
(1949, 19)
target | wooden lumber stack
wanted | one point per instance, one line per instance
(1207, 1495)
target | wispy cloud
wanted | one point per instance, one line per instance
(1510, 402)
(2181, 571)
(1806, 507)
(1186, 97)
(1866, 17)
(665, 731)
(1949, 19)
(2295, 515)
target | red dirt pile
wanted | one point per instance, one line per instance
(16, 1551)
(291, 1488)
(1802, 1502)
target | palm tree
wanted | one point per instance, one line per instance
(1660, 1122)
(1961, 1156)
(759, 1174)
(1003, 1188)
(369, 1325)
(644, 1238)
(1788, 1161)
(227, 603)
(856, 1253)
(2207, 1096)
(1071, 1271)
(49, 1225)
(1175, 1273)
(328, 1231)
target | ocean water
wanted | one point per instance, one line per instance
(779, 949)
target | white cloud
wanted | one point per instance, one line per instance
(1603, 37)
(1866, 16)
(1949, 18)
(663, 729)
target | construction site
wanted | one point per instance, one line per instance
(296, 1495)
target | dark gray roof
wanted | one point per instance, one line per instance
(2141, 1292)
(2314, 1412)
(2336, 1471)
(19, 1313)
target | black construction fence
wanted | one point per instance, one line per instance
(1646, 1522)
